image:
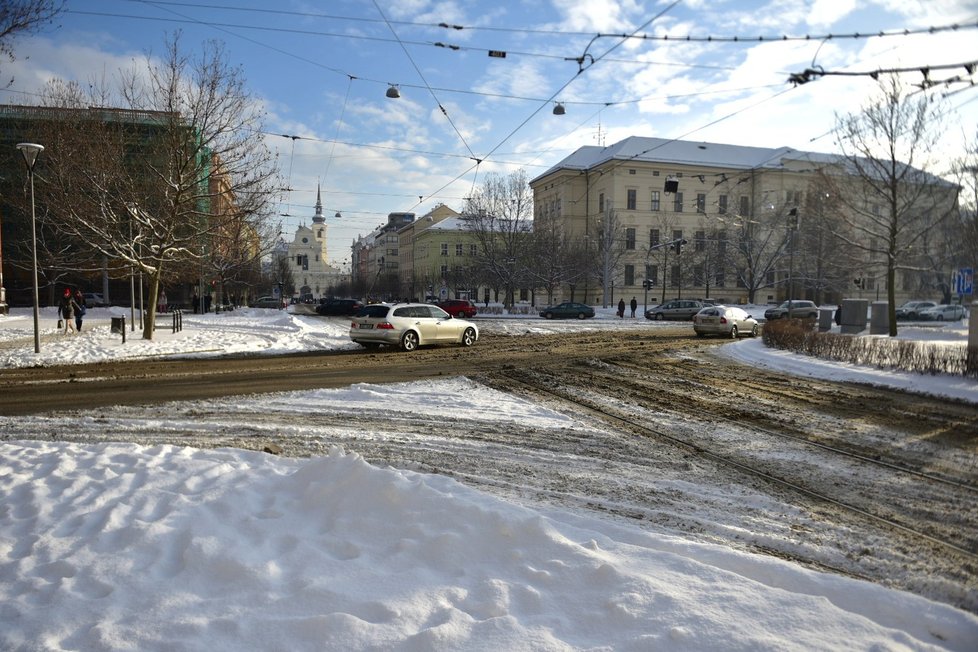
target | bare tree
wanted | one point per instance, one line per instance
(24, 17)
(892, 199)
(499, 215)
(168, 180)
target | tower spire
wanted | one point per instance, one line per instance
(318, 218)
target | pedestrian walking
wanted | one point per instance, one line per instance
(634, 305)
(161, 303)
(621, 308)
(67, 309)
(80, 310)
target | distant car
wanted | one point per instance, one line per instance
(268, 302)
(943, 312)
(912, 309)
(94, 300)
(409, 325)
(462, 308)
(726, 321)
(568, 310)
(339, 307)
(676, 309)
(800, 309)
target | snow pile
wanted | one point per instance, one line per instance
(110, 547)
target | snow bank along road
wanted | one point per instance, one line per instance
(863, 481)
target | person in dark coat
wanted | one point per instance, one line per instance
(634, 306)
(621, 308)
(81, 310)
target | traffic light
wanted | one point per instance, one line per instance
(648, 284)
(677, 246)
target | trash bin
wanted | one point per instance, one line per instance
(118, 325)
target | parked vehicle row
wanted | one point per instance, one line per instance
(682, 309)
(268, 302)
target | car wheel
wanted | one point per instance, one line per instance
(460, 314)
(409, 342)
(660, 316)
(580, 315)
(733, 332)
(549, 315)
(468, 337)
(753, 331)
(369, 345)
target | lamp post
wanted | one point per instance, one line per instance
(791, 257)
(30, 152)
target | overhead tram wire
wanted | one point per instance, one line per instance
(551, 99)
(428, 86)
(688, 38)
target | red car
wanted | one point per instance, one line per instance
(462, 308)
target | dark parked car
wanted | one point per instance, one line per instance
(461, 308)
(94, 300)
(339, 307)
(800, 309)
(567, 310)
(912, 309)
(268, 302)
(676, 309)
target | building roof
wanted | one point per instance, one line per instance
(680, 152)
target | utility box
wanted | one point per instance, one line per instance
(118, 325)
(854, 315)
(879, 321)
(825, 319)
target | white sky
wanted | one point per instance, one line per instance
(118, 546)
(322, 72)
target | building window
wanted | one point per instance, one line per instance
(722, 243)
(720, 280)
(629, 240)
(698, 276)
(629, 274)
(458, 249)
(444, 271)
(677, 234)
(655, 200)
(601, 203)
(632, 199)
(653, 237)
(722, 204)
(631, 171)
(472, 250)
(678, 205)
(674, 276)
(700, 241)
(700, 202)
(444, 249)
(744, 206)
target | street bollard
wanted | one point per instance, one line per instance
(119, 326)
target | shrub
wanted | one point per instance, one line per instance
(881, 352)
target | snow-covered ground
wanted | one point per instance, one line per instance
(117, 546)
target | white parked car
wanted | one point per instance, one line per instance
(943, 312)
(726, 321)
(410, 325)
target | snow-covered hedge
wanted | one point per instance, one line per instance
(882, 352)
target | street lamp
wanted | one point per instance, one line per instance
(30, 152)
(792, 232)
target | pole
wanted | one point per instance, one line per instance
(30, 152)
(37, 331)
